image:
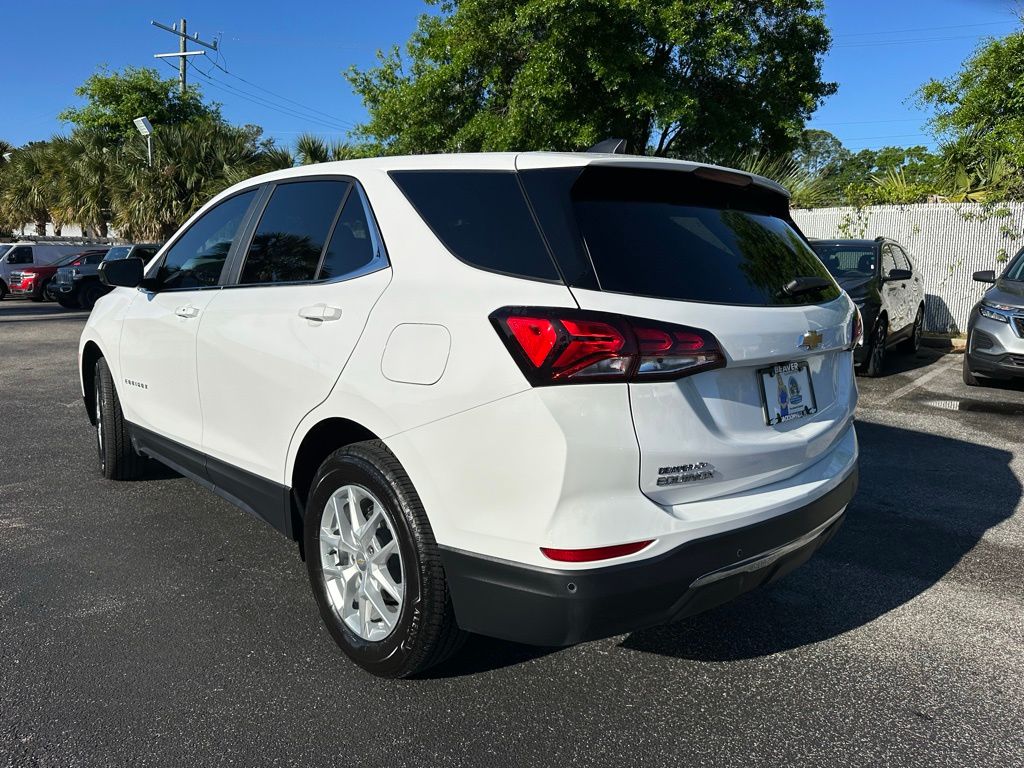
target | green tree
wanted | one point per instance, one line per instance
(114, 99)
(673, 77)
(819, 152)
(978, 116)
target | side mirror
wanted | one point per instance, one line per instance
(985, 276)
(899, 274)
(127, 273)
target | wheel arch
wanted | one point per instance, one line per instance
(319, 442)
(91, 353)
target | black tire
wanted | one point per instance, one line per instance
(875, 363)
(969, 378)
(3, 290)
(425, 633)
(913, 343)
(89, 294)
(68, 301)
(118, 459)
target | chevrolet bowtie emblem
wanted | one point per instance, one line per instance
(811, 340)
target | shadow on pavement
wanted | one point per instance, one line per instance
(24, 308)
(914, 518)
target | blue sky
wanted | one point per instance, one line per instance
(293, 54)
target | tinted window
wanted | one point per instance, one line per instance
(902, 262)
(292, 232)
(4, 249)
(847, 260)
(482, 218)
(351, 246)
(21, 254)
(145, 252)
(888, 261)
(197, 258)
(94, 258)
(645, 243)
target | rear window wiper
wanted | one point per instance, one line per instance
(803, 284)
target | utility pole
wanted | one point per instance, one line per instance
(182, 61)
(183, 51)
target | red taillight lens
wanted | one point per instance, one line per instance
(594, 553)
(563, 346)
(536, 335)
(857, 333)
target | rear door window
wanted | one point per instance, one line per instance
(482, 218)
(292, 232)
(648, 234)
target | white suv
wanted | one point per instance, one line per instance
(544, 397)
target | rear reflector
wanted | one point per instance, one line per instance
(594, 553)
(566, 346)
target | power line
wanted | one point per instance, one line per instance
(265, 103)
(877, 32)
(874, 43)
(871, 122)
(284, 98)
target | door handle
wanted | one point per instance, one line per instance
(320, 313)
(187, 311)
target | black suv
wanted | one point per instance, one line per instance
(80, 286)
(880, 278)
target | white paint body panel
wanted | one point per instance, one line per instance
(502, 468)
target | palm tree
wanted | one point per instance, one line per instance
(191, 163)
(806, 189)
(311, 149)
(84, 161)
(28, 192)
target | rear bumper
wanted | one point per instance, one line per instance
(543, 606)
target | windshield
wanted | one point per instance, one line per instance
(118, 252)
(847, 260)
(67, 260)
(1015, 271)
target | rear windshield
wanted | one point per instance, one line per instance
(663, 235)
(847, 260)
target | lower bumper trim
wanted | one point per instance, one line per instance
(546, 606)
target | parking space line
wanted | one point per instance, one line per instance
(920, 381)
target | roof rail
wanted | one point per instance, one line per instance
(56, 240)
(610, 146)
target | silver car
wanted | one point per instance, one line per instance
(995, 333)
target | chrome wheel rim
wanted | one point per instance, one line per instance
(361, 563)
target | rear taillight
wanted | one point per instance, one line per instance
(567, 346)
(857, 329)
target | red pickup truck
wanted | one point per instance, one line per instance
(32, 280)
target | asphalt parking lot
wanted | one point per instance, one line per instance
(151, 623)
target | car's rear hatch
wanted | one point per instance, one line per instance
(714, 251)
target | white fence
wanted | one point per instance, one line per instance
(948, 242)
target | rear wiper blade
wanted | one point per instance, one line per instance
(801, 285)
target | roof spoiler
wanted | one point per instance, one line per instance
(610, 147)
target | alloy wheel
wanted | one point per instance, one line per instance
(361, 562)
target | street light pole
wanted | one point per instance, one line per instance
(145, 128)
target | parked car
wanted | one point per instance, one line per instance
(79, 286)
(32, 253)
(881, 279)
(543, 397)
(36, 282)
(995, 331)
